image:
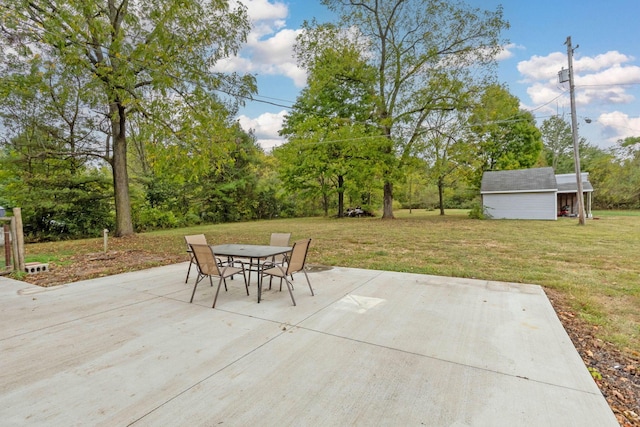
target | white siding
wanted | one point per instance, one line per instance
(570, 178)
(521, 205)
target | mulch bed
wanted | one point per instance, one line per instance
(616, 373)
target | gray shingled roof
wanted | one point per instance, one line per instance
(572, 187)
(536, 179)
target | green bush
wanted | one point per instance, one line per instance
(477, 211)
(153, 219)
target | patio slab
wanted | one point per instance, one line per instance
(370, 348)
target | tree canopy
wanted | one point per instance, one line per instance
(425, 53)
(332, 142)
(506, 136)
(133, 57)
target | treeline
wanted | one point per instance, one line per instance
(64, 196)
(119, 121)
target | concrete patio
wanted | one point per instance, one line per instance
(371, 348)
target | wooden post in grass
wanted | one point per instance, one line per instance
(105, 237)
(18, 253)
(7, 245)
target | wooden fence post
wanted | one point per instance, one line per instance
(19, 237)
(7, 245)
(14, 244)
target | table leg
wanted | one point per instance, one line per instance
(259, 282)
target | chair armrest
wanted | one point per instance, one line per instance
(268, 264)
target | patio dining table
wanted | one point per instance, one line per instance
(255, 253)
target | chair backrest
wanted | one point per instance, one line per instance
(205, 259)
(280, 239)
(298, 256)
(195, 239)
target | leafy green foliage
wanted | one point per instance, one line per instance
(426, 55)
(58, 201)
(148, 59)
(478, 211)
(616, 176)
(505, 136)
(558, 144)
(332, 147)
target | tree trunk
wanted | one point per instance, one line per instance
(340, 196)
(387, 211)
(124, 224)
(387, 206)
(410, 194)
(325, 203)
(441, 196)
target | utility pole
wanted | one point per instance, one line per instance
(574, 127)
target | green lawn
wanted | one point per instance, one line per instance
(595, 266)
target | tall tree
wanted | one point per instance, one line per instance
(628, 151)
(445, 151)
(558, 141)
(48, 142)
(616, 175)
(558, 146)
(421, 51)
(330, 125)
(60, 197)
(135, 56)
(506, 136)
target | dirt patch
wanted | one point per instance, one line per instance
(313, 268)
(99, 264)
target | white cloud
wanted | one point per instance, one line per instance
(274, 56)
(617, 125)
(602, 79)
(234, 64)
(614, 75)
(507, 51)
(610, 59)
(265, 127)
(546, 68)
(269, 44)
(542, 93)
(263, 10)
(542, 67)
(269, 144)
(603, 83)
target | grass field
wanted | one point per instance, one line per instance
(595, 266)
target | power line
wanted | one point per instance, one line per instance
(547, 103)
(608, 85)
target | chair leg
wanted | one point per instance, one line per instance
(289, 286)
(198, 280)
(188, 271)
(246, 284)
(310, 288)
(289, 281)
(217, 291)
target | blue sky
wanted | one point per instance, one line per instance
(606, 63)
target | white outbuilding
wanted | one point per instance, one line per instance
(533, 194)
